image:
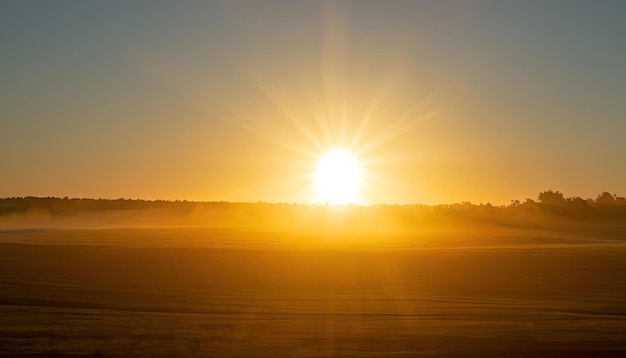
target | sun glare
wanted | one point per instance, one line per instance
(338, 177)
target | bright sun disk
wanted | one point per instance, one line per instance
(338, 176)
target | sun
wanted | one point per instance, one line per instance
(338, 177)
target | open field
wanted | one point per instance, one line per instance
(244, 293)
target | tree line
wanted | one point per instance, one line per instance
(547, 202)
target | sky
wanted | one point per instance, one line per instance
(438, 101)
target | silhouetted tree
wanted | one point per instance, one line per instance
(551, 198)
(515, 203)
(529, 202)
(577, 203)
(606, 198)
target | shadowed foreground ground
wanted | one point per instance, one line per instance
(228, 293)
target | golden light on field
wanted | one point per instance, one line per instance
(338, 177)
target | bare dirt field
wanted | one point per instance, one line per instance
(244, 293)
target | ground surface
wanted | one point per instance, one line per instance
(235, 293)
